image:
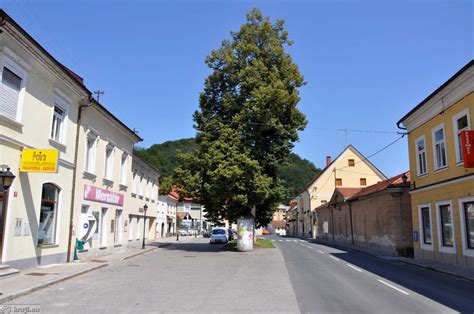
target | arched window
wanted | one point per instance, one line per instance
(48, 214)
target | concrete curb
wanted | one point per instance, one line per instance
(136, 254)
(437, 270)
(408, 262)
(47, 284)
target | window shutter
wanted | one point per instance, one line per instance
(9, 94)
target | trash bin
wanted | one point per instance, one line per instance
(80, 245)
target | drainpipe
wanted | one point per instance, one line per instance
(332, 222)
(350, 215)
(74, 174)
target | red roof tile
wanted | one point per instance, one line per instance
(174, 194)
(183, 215)
(279, 223)
(348, 192)
(394, 182)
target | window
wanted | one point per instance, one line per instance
(426, 229)
(91, 152)
(460, 123)
(48, 214)
(363, 181)
(109, 162)
(439, 148)
(140, 186)
(445, 227)
(468, 211)
(11, 89)
(134, 182)
(57, 125)
(147, 188)
(351, 163)
(426, 221)
(123, 170)
(338, 182)
(421, 156)
(323, 201)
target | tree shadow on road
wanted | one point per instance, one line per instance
(450, 291)
(192, 247)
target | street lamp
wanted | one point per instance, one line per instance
(6, 179)
(177, 227)
(145, 207)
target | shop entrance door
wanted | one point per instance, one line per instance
(118, 225)
(103, 228)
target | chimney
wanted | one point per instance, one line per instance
(328, 160)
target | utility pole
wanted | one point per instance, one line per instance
(98, 93)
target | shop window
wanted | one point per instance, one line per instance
(338, 182)
(460, 123)
(421, 156)
(439, 148)
(363, 181)
(468, 211)
(48, 214)
(351, 163)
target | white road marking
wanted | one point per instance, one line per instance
(334, 258)
(353, 267)
(273, 240)
(393, 287)
(320, 251)
(309, 246)
(295, 240)
(287, 240)
(280, 240)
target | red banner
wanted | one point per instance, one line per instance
(467, 138)
(100, 195)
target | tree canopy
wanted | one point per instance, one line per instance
(246, 124)
(294, 172)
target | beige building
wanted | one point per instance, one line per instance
(349, 169)
(39, 102)
(107, 214)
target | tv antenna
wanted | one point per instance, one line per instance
(98, 93)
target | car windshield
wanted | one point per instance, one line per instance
(218, 231)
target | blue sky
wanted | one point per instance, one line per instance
(366, 63)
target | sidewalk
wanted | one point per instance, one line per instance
(452, 270)
(29, 280)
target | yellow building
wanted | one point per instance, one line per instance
(442, 194)
(349, 169)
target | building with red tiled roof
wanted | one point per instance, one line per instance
(377, 216)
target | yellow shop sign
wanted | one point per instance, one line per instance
(39, 160)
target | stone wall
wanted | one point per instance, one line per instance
(382, 221)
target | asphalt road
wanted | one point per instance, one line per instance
(187, 277)
(326, 279)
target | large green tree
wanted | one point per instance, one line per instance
(247, 123)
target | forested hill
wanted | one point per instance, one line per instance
(296, 173)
